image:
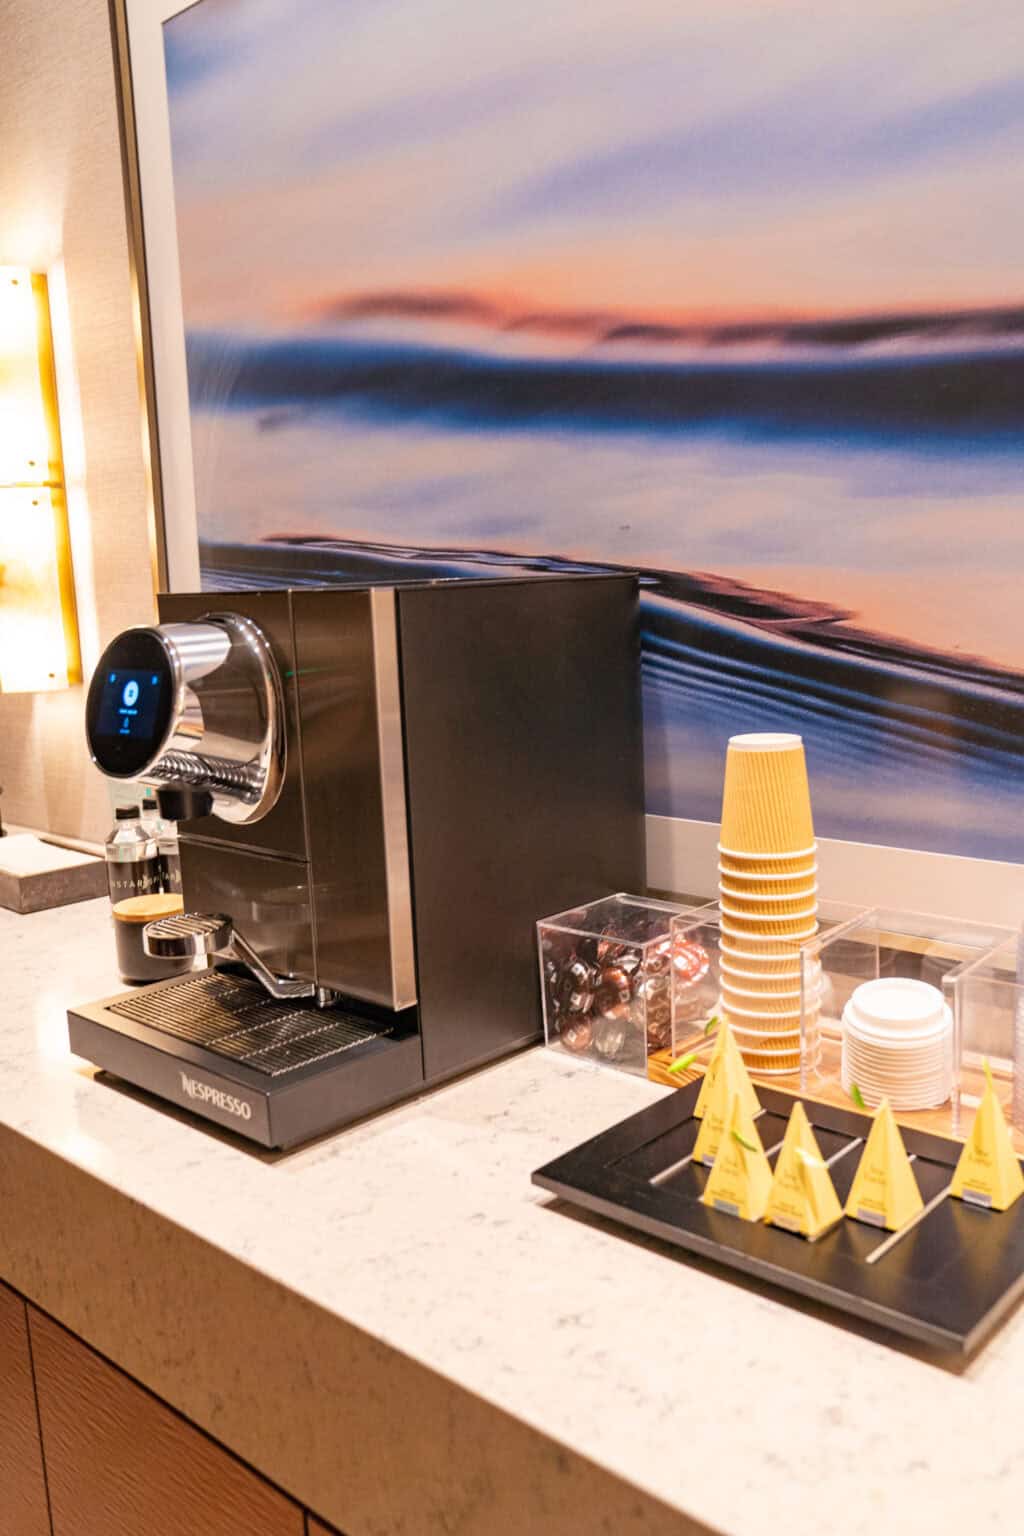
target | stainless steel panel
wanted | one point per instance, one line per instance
(391, 749)
(353, 773)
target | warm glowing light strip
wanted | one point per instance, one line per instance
(38, 621)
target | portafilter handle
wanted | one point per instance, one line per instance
(198, 935)
(188, 936)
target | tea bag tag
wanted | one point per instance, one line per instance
(708, 1083)
(989, 1172)
(802, 1197)
(741, 1179)
(715, 1124)
(725, 1046)
(885, 1192)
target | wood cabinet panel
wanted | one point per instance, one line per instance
(23, 1510)
(317, 1528)
(119, 1460)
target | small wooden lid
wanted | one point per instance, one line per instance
(146, 909)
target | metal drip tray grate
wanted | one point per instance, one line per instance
(233, 1017)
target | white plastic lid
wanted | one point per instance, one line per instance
(896, 1005)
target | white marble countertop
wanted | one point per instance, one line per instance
(420, 1229)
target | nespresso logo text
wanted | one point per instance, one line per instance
(211, 1095)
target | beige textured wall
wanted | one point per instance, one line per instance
(61, 201)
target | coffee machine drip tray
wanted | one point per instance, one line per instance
(232, 1016)
(277, 1071)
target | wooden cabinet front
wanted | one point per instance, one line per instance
(117, 1459)
(22, 1483)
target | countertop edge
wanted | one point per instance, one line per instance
(349, 1426)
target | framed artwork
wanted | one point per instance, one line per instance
(731, 295)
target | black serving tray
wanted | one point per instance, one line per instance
(945, 1280)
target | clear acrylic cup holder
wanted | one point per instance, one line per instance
(978, 968)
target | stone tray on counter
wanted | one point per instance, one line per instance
(945, 1280)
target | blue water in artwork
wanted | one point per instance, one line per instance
(976, 398)
(908, 744)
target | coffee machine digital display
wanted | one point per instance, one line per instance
(129, 706)
(129, 703)
(378, 791)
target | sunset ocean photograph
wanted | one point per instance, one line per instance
(729, 295)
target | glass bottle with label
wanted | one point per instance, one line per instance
(166, 835)
(170, 856)
(133, 859)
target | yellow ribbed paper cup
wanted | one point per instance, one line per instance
(778, 1043)
(792, 903)
(760, 1000)
(796, 925)
(771, 1025)
(732, 861)
(745, 1016)
(774, 1063)
(736, 937)
(766, 799)
(761, 1040)
(750, 978)
(735, 957)
(748, 884)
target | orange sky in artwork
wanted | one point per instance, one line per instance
(950, 611)
(508, 305)
(534, 309)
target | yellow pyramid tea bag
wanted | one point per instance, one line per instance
(802, 1197)
(714, 1125)
(741, 1179)
(884, 1192)
(988, 1172)
(725, 1045)
(711, 1073)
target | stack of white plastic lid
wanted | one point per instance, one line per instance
(898, 1043)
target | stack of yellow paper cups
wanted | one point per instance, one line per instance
(768, 894)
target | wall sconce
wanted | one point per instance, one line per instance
(38, 623)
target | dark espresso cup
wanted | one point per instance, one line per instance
(130, 919)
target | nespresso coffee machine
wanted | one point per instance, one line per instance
(378, 791)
